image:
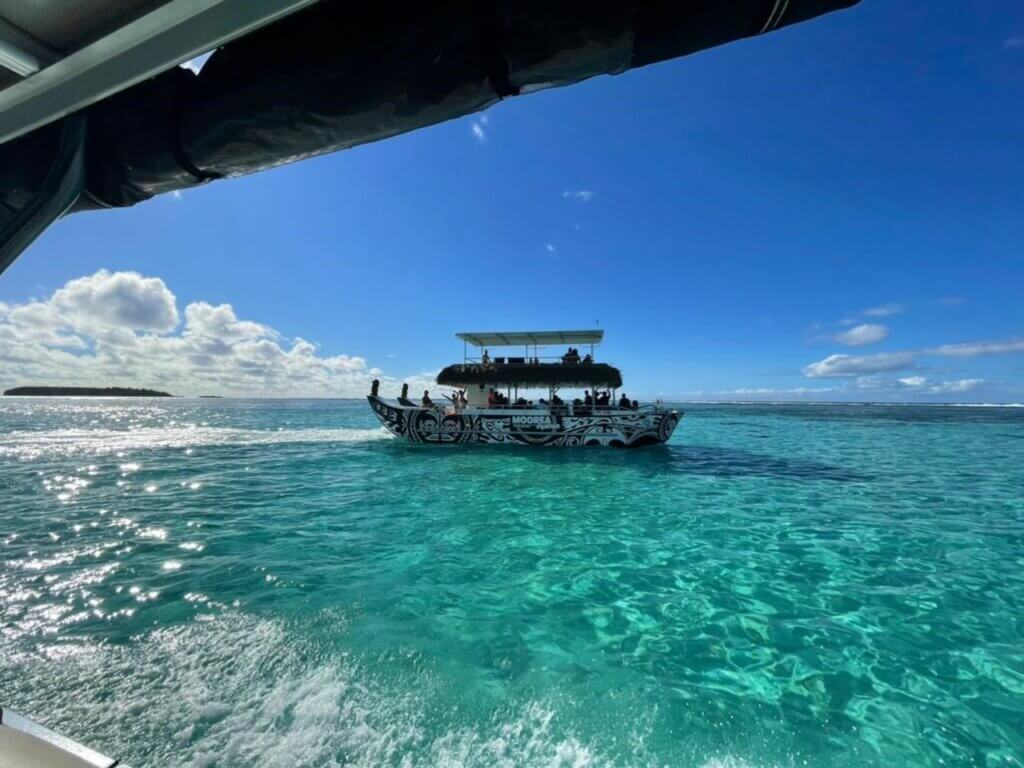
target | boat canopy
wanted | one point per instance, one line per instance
(574, 375)
(289, 80)
(525, 338)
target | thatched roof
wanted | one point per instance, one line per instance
(525, 375)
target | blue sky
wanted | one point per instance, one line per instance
(726, 217)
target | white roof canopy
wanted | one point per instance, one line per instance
(523, 338)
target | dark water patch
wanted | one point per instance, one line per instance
(656, 461)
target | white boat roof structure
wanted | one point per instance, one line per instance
(530, 338)
(25, 744)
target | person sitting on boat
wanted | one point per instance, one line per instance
(427, 402)
(636, 406)
(588, 359)
(624, 402)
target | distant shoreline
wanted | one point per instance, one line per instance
(83, 392)
(125, 392)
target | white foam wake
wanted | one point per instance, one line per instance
(237, 690)
(103, 441)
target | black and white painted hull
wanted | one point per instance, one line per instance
(525, 426)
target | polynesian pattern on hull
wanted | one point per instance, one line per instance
(434, 425)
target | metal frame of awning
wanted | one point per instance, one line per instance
(175, 32)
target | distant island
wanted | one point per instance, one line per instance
(86, 392)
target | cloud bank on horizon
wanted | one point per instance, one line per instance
(125, 329)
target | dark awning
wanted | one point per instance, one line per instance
(339, 74)
(526, 375)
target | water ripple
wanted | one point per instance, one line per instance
(249, 583)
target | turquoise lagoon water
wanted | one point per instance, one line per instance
(271, 583)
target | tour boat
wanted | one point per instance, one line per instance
(488, 405)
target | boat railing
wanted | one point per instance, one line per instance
(567, 409)
(497, 361)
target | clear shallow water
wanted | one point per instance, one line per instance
(264, 583)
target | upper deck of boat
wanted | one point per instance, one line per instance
(520, 372)
(533, 368)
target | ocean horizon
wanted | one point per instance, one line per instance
(667, 401)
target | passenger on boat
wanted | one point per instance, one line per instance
(588, 359)
(556, 400)
(427, 402)
(604, 398)
(588, 401)
(486, 359)
(624, 402)
(463, 402)
(636, 406)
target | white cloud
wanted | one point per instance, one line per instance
(122, 329)
(579, 195)
(757, 393)
(863, 334)
(848, 365)
(477, 127)
(774, 392)
(550, 248)
(884, 310)
(975, 348)
(123, 299)
(921, 384)
(960, 385)
(203, 320)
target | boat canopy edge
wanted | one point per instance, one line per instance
(523, 338)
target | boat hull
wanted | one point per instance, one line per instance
(612, 428)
